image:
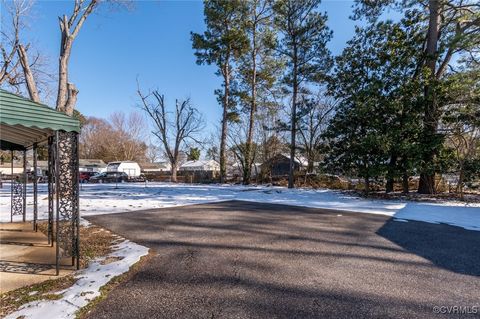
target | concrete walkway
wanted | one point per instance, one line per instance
(25, 257)
(250, 260)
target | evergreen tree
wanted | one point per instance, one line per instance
(258, 70)
(221, 44)
(461, 122)
(375, 129)
(451, 29)
(303, 44)
(194, 154)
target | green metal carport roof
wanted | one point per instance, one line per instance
(24, 122)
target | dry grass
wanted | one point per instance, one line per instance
(12, 300)
(94, 242)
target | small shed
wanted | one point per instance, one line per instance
(25, 125)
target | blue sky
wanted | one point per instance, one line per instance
(151, 42)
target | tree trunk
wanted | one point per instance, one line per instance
(405, 187)
(430, 119)
(367, 185)
(72, 98)
(391, 174)
(174, 172)
(426, 184)
(29, 79)
(247, 172)
(389, 185)
(65, 49)
(461, 178)
(293, 121)
(223, 139)
(310, 164)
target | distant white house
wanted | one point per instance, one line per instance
(131, 168)
(201, 165)
(91, 165)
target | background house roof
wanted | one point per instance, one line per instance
(199, 164)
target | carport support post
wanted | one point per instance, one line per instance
(11, 188)
(57, 193)
(67, 197)
(35, 188)
(25, 176)
(51, 189)
(76, 219)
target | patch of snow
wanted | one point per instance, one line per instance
(96, 199)
(87, 287)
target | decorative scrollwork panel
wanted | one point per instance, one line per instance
(17, 197)
(66, 180)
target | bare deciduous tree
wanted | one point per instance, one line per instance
(69, 29)
(237, 145)
(94, 133)
(18, 68)
(130, 130)
(174, 134)
(16, 11)
(120, 138)
(153, 153)
(19, 65)
(314, 119)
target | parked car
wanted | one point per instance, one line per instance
(109, 177)
(132, 169)
(85, 176)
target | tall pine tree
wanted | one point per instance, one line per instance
(258, 70)
(303, 44)
(222, 44)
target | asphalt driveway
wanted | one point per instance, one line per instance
(249, 260)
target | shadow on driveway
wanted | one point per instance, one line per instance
(449, 247)
(250, 260)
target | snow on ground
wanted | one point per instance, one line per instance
(106, 198)
(88, 285)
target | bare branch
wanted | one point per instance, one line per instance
(173, 134)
